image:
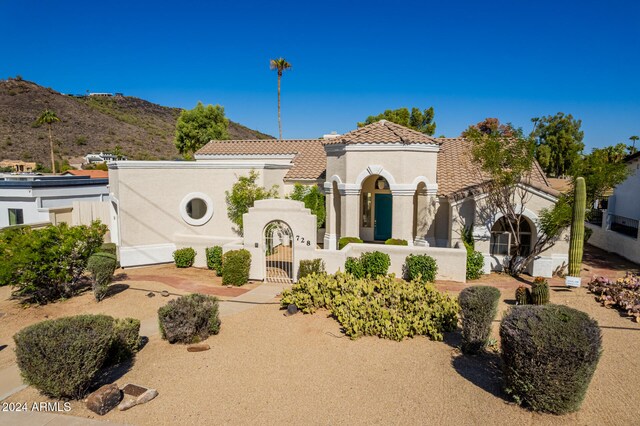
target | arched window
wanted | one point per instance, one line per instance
(503, 241)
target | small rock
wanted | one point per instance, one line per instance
(229, 286)
(292, 309)
(147, 396)
(165, 293)
(151, 294)
(104, 399)
(200, 347)
(133, 390)
(127, 403)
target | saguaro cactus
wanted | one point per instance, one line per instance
(576, 244)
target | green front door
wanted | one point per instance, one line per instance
(382, 224)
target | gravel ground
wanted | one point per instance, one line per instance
(267, 368)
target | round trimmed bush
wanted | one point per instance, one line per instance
(102, 265)
(108, 248)
(184, 257)
(549, 353)
(396, 242)
(62, 357)
(235, 267)
(478, 308)
(353, 266)
(312, 266)
(375, 263)
(189, 319)
(475, 264)
(342, 242)
(420, 265)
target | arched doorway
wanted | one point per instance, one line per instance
(278, 244)
(376, 209)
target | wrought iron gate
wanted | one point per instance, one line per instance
(278, 239)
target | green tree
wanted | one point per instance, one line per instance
(243, 194)
(632, 148)
(49, 117)
(505, 160)
(422, 121)
(196, 127)
(562, 137)
(312, 198)
(280, 65)
(602, 169)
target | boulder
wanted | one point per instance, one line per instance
(127, 403)
(104, 399)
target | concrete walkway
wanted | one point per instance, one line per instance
(11, 382)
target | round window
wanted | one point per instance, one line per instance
(196, 208)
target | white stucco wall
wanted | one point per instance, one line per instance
(625, 201)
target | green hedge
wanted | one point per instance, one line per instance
(109, 248)
(189, 319)
(235, 267)
(184, 257)
(420, 265)
(384, 307)
(102, 265)
(62, 357)
(549, 355)
(308, 267)
(396, 242)
(46, 264)
(478, 308)
(369, 264)
(214, 259)
(475, 264)
(342, 242)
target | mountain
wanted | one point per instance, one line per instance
(143, 130)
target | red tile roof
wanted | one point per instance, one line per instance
(383, 131)
(93, 174)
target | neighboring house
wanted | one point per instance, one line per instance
(93, 174)
(615, 227)
(103, 158)
(18, 166)
(33, 199)
(381, 181)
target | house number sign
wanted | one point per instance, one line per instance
(303, 240)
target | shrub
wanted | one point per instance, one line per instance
(214, 259)
(369, 264)
(108, 248)
(549, 353)
(47, 264)
(126, 340)
(420, 265)
(184, 257)
(384, 307)
(354, 267)
(478, 308)
(235, 267)
(62, 357)
(342, 242)
(396, 242)
(308, 267)
(189, 319)
(102, 265)
(539, 291)
(475, 264)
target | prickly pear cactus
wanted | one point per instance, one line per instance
(540, 291)
(576, 243)
(523, 295)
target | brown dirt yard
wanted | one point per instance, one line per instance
(265, 368)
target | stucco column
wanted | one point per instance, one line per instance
(330, 220)
(350, 211)
(425, 211)
(402, 225)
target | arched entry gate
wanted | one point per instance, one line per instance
(279, 233)
(279, 255)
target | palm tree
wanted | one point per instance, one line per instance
(634, 139)
(49, 117)
(281, 65)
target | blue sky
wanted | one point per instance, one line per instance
(508, 59)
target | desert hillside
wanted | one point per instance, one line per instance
(142, 129)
